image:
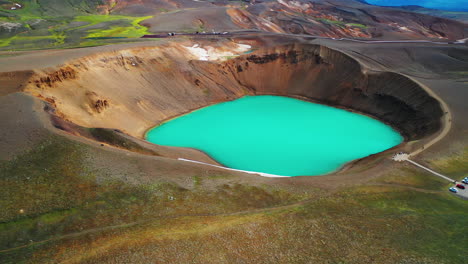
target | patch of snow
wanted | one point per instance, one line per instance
(243, 47)
(225, 168)
(212, 54)
(294, 4)
(404, 28)
(200, 53)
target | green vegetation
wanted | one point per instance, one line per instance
(133, 22)
(29, 11)
(97, 19)
(49, 192)
(458, 74)
(29, 39)
(64, 25)
(340, 23)
(56, 209)
(357, 25)
(412, 177)
(230, 57)
(432, 223)
(454, 165)
(329, 21)
(134, 31)
(54, 8)
(196, 181)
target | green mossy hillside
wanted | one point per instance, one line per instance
(65, 24)
(58, 208)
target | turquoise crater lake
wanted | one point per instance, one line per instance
(277, 135)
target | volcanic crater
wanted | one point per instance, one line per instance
(133, 88)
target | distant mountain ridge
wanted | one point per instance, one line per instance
(448, 5)
(76, 23)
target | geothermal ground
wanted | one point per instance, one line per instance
(80, 184)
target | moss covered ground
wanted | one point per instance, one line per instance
(56, 208)
(58, 24)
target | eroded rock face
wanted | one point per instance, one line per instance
(325, 75)
(135, 89)
(51, 79)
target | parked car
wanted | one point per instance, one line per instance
(452, 189)
(465, 181)
(460, 186)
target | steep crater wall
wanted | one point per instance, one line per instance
(328, 76)
(135, 89)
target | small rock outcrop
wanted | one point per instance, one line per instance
(97, 104)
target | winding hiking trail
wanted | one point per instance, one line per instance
(447, 119)
(148, 221)
(431, 171)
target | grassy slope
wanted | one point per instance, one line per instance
(64, 24)
(50, 192)
(134, 30)
(57, 209)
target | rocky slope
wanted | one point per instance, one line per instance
(336, 19)
(134, 89)
(66, 24)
